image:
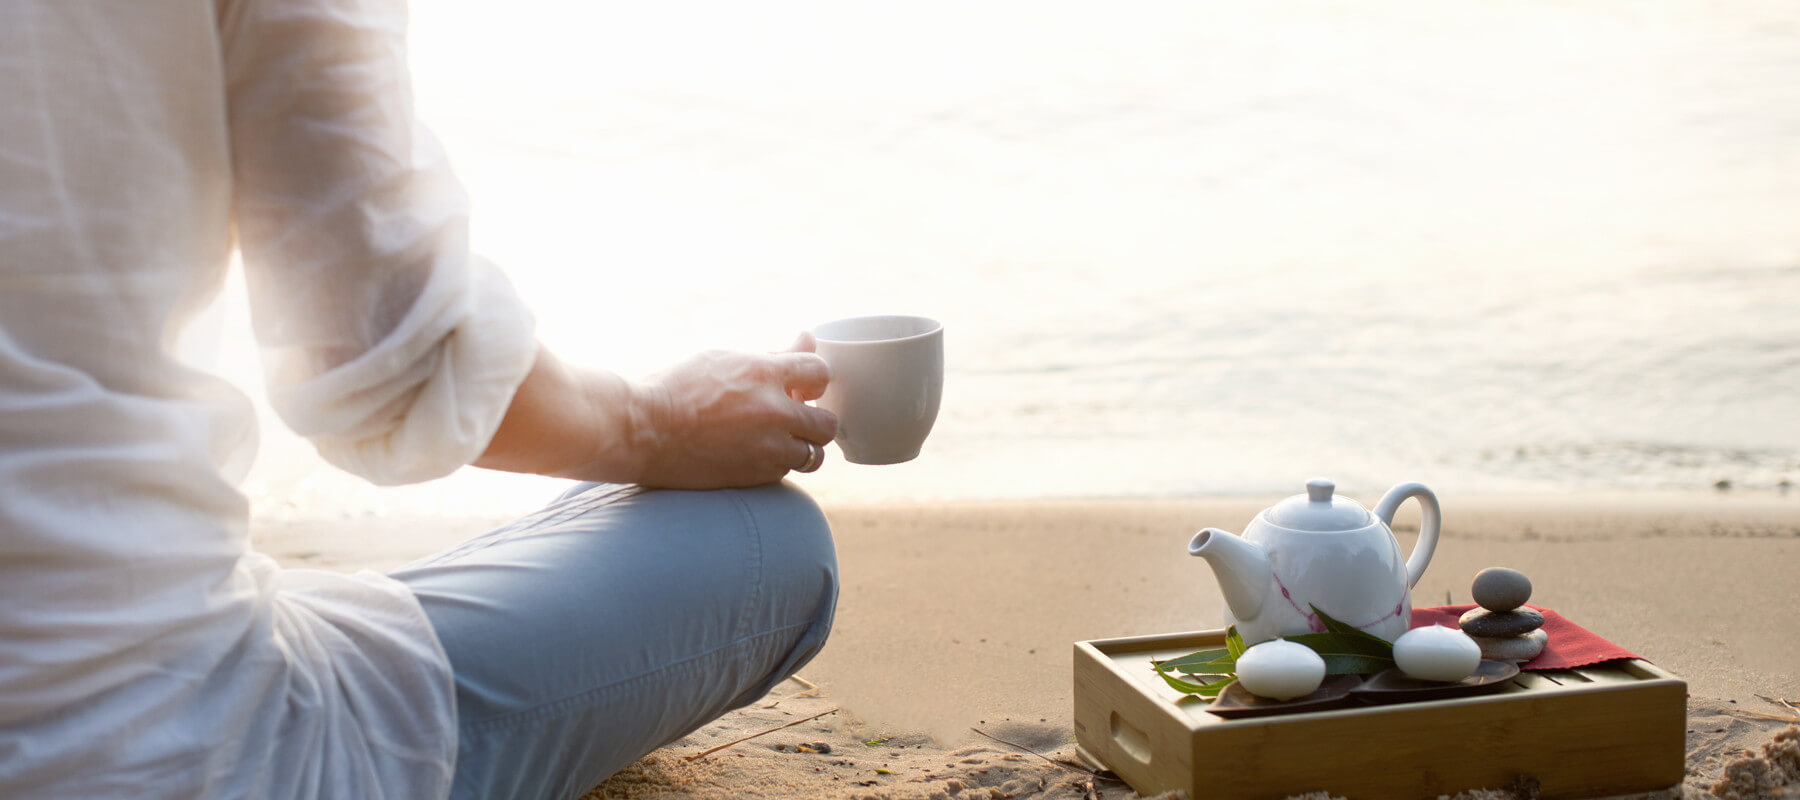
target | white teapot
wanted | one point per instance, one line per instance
(1319, 550)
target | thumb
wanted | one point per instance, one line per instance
(804, 343)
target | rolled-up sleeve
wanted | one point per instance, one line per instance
(385, 341)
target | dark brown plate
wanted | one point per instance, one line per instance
(1236, 701)
(1392, 685)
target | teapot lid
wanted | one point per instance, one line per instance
(1319, 510)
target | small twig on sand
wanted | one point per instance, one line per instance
(754, 735)
(1760, 715)
(812, 689)
(1787, 704)
(1048, 760)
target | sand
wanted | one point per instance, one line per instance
(957, 618)
(1742, 756)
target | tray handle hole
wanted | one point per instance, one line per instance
(1130, 739)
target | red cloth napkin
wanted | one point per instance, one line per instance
(1570, 645)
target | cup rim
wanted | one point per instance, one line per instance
(931, 327)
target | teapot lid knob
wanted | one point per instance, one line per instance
(1318, 490)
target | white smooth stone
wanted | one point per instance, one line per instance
(1280, 670)
(1436, 653)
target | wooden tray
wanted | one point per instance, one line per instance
(1610, 729)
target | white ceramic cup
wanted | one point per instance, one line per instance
(887, 378)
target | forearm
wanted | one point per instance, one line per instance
(570, 423)
(718, 419)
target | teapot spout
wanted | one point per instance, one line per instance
(1241, 566)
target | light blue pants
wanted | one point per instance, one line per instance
(619, 619)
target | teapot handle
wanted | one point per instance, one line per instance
(1432, 520)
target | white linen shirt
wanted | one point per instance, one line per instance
(146, 650)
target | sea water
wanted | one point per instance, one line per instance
(1179, 248)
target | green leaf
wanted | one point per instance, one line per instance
(1334, 626)
(1347, 650)
(1204, 662)
(1179, 685)
(1234, 642)
(1348, 655)
(1329, 643)
(1223, 666)
(1345, 664)
(1213, 689)
(1206, 689)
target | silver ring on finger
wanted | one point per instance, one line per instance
(815, 455)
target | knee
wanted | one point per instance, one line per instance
(798, 555)
(800, 577)
(791, 525)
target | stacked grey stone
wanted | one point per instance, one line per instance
(1505, 629)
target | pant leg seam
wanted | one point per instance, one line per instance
(754, 569)
(686, 665)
